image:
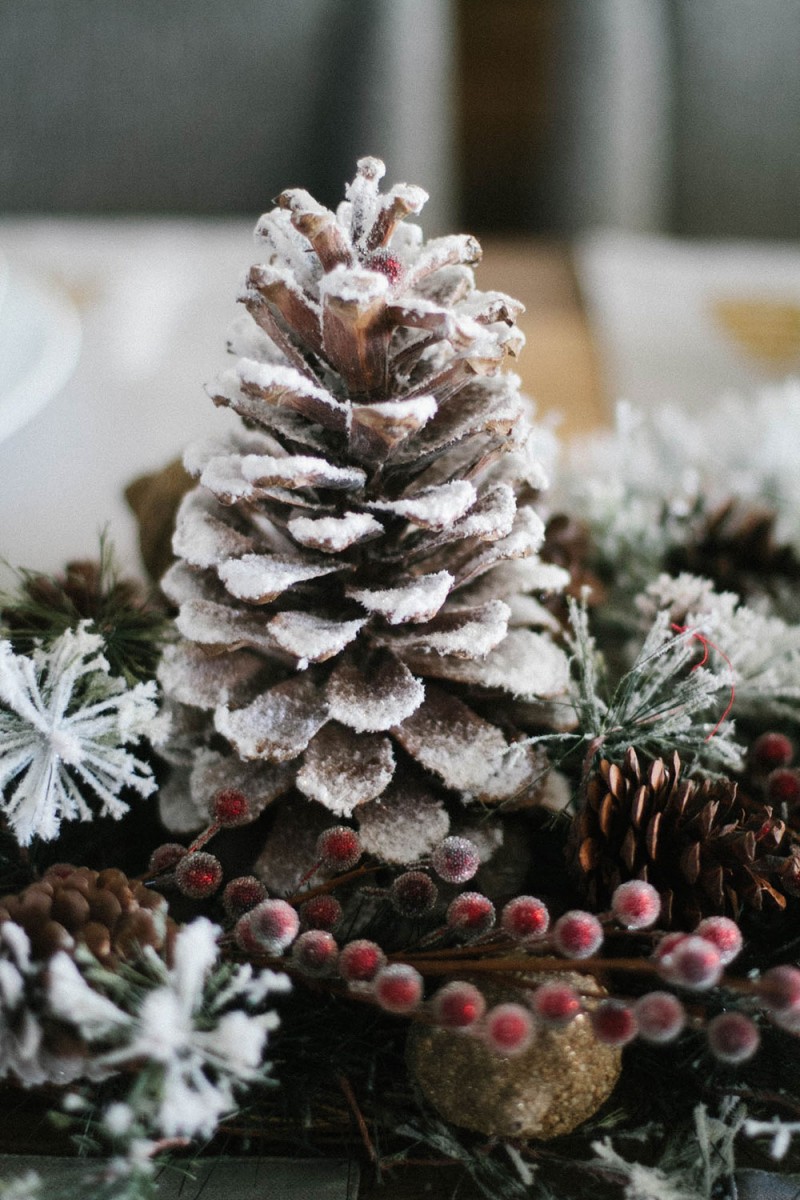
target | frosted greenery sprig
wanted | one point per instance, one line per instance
(665, 702)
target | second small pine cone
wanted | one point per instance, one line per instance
(114, 916)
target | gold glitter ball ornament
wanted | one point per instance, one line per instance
(551, 1088)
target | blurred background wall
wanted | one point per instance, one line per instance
(536, 115)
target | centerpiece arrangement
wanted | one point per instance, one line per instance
(431, 810)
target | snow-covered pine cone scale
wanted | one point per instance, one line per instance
(335, 555)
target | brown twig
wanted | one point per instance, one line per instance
(350, 1097)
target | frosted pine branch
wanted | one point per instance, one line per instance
(64, 725)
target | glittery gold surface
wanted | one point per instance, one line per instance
(550, 1089)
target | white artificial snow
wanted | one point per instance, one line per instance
(283, 385)
(278, 725)
(375, 699)
(191, 676)
(465, 633)
(64, 722)
(342, 769)
(221, 627)
(405, 825)
(312, 638)
(527, 535)
(331, 535)
(492, 517)
(528, 665)
(201, 538)
(353, 285)
(416, 601)
(259, 578)
(298, 471)
(433, 507)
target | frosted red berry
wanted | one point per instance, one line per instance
(274, 925)
(614, 1023)
(556, 1004)
(508, 1029)
(387, 263)
(360, 961)
(242, 894)
(338, 848)
(398, 988)
(779, 989)
(525, 918)
(732, 1037)
(413, 894)
(456, 859)
(230, 807)
(636, 904)
(322, 912)
(163, 858)
(244, 937)
(725, 935)
(577, 934)
(771, 750)
(693, 963)
(198, 875)
(458, 1005)
(783, 786)
(471, 913)
(667, 944)
(315, 952)
(661, 1017)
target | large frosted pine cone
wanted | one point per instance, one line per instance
(354, 563)
(699, 843)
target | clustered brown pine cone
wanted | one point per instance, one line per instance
(703, 846)
(735, 545)
(112, 915)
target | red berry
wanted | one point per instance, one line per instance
(614, 1023)
(360, 961)
(458, 1005)
(230, 807)
(783, 786)
(577, 934)
(470, 913)
(198, 875)
(315, 952)
(508, 1029)
(398, 988)
(725, 935)
(556, 1004)
(525, 918)
(636, 904)
(667, 944)
(274, 925)
(338, 848)
(771, 750)
(242, 894)
(779, 989)
(694, 963)
(660, 1015)
(413, 894)
(322, 912)
(163, 858)
(456, 859)
(388, 264)
(244, 937)
(732, 1037)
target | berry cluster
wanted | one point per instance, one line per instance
(301, 931)
(771, 770)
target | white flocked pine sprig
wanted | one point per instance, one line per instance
(65, 723)
(665, 701)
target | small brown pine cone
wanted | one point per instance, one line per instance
(735, 545)
(704, 848)
(112, 915)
